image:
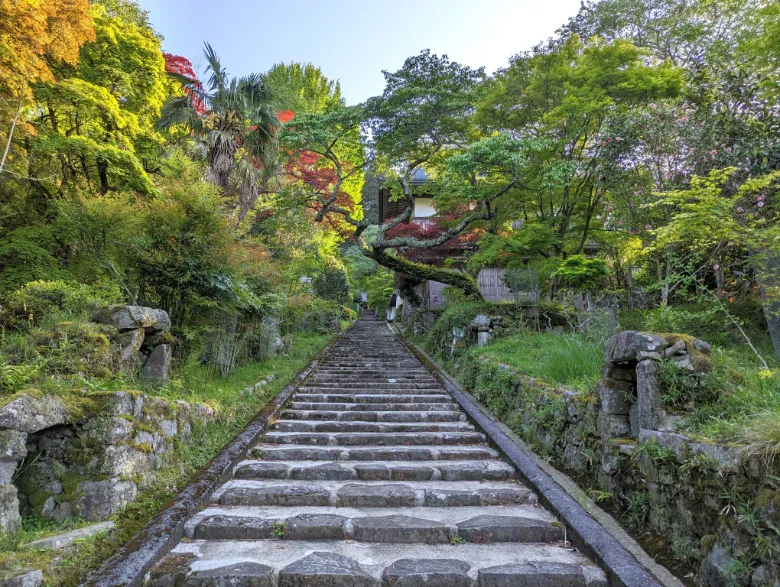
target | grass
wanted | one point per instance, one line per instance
(566, 360)
(194, 383)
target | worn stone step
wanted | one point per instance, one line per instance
(366, 390)
(297, 404)
(371, 398)
(378, 416)
(340, 426)
(392, 527)
(298, 563)
(276, 452)
(485, 470)
(397, 384)
(370, 494)
(374, 438)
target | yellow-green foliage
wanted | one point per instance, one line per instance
(77, 348)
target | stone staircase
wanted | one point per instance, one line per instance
(373, 476)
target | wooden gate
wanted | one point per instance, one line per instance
(491, 284)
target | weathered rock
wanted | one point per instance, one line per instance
(64, 540)
(29, 413)
(98, 500)
(684, 362)
(701, 346)
(244, 574)
(648, 392)
(127, 345)
(489, 528)
(678, 348)
(612, 426)
(105, 431)
(325, 569)
(123, 461)
(766, 576)
(538, 574)
(124, 317)
(315, 527)
(158, 366)
(10, 520)
(614, 400)
(31, 579)
(626, 345)
(7, 470)
(399, 529)
(429, 572)
(162, 337)
(270, 333)
(13, 445)
(716, 569)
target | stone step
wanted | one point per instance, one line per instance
(483, 470)
(374, 438)
(370, 398)
(337, 426)
(362, 494)
(371, 564)
(385, 384)
(379, 416)
(368, 390)
(409, 525)
(297, 404)
(276, 452)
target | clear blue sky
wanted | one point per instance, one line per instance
(353, 41)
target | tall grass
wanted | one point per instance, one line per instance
(560, 359)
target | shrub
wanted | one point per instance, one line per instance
(38, 300)
(77, 348)
(332, 284)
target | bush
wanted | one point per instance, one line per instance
(332, 284)
(36, 301)
(460, 316)
(77, 348)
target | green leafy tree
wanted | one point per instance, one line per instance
(303, 88)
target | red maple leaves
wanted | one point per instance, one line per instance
(183, 66)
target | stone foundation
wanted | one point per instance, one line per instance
(88, 459)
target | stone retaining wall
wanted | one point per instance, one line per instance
(715, 507)
(87, 456)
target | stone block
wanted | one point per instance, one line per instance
(678, 348)
(429, 572)
(64, 540)
(13, 445)
(648, 393)
(98, 500)
(325, 569)
(624, 346)
(677, 443)
(716, 568)
(30, 414)
(105, 431)
(701, 346)
(125, 461)
(10, 520)
(158, 366)
(614, 400)
(30, 579)
(536, 573)
(7, 470)
(613, 426)
(123, 317)
(127, 346)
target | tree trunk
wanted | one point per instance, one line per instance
(425, 272)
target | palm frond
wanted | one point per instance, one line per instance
(179, 110)
(218, 75)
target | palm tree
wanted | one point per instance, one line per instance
(235, 121)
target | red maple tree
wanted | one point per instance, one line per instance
(183, 66)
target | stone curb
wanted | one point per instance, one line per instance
(131, 562)
(590, 537)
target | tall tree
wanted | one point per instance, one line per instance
(303, 88)
(421, 122)
(238, 130)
